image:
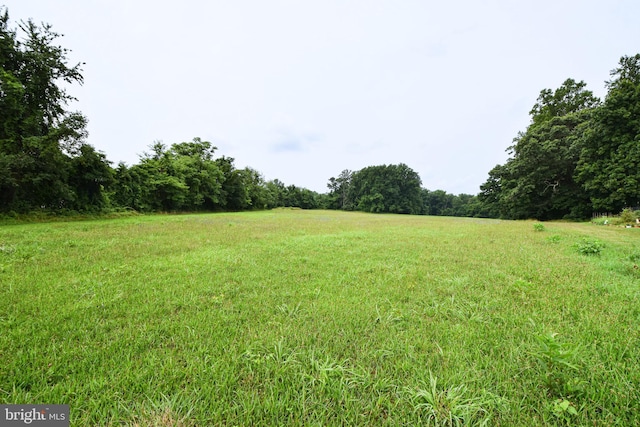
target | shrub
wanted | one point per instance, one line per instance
(628, 216)
(538, 227)
(589, 247)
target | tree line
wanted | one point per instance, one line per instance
(187, 177)
(578, 155)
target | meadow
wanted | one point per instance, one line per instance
(292, 317)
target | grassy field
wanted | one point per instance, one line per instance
(293, 317)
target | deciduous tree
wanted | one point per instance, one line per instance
(537, 180)
(42, 144)
(609, 166)
(386, 189)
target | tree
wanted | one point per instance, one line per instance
(609, 165)
(463, 205)
(89, 175)
(253, 182)
(163, 189)
(339, 191)
(182, 177)
(235, 196)
(195, 167)
(541, 181)
(127, 188)
(538, 179)
(276, 190)
(386, 189)
(490, 196)
(39, 138)
(440, 203)
(570, 97)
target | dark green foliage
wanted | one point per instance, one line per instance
(127, 189)
(235, 196)
(45, 162)
(490, 196)
(577, 156)
(89, 175)
(301, 198)
(339, 196)
(438, 202)
(609, 166)
(538, 179)
(378, 189)
(275, 191)
(568, 98)
(258, 194)
(394, 189)
(441, 203)
(186, 177)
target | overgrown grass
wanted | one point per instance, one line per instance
(321, 318)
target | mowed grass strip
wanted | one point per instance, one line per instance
(321, 318)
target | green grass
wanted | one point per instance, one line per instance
(293, 317)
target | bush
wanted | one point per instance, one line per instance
(589, 247)
(628, 216)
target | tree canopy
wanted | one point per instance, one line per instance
(386, 189)
(577, 156)
(609, 166)
(41, 143)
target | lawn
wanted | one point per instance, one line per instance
(292, 317)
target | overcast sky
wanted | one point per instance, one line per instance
(301, 90)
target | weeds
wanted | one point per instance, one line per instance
(559, 365)
(564, 411)
(447, 407)
(589, 246)
(554, 239)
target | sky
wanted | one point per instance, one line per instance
(302, 90)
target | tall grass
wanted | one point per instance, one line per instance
(321, 318)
